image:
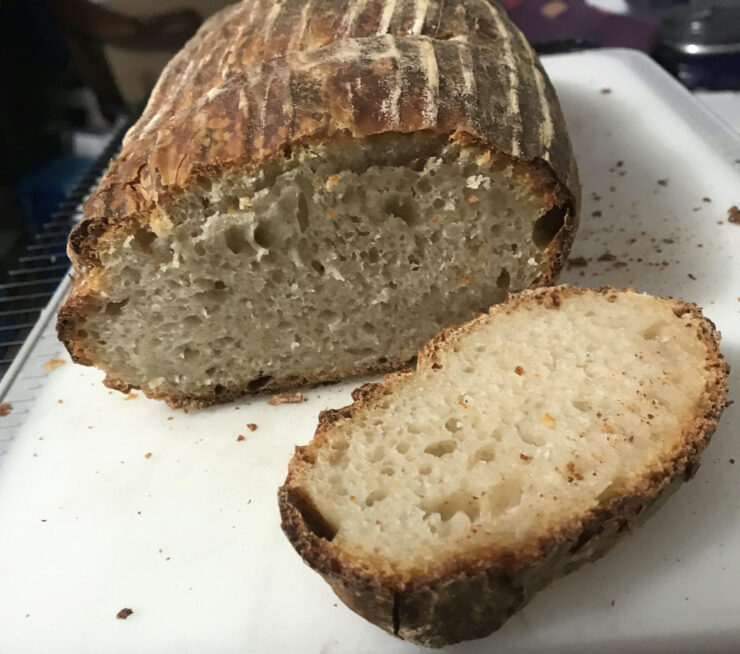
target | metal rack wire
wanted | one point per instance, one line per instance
(44, 263)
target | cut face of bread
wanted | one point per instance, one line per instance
(340, 259)
(315, 189)
(524, 442)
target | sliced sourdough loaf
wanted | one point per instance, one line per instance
(314, 190)
(524, 443)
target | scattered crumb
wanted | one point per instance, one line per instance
(252, 427)
(663, 182)
(170, 418)
(605, 91)
(5, 409)
(123, 614)
(733, 215)
(148, 455)
(732, 461)
(706, 200)
(614, 602)
(465, 280)
(596, 214)
(577, 262)
(524, 457)
(240, 437)
(53, 363)
(130, 396)
(60, 401)
(620, 164)
(286, 398)
(473, 199)
(519, 370)
(691, 276)
(607, 256)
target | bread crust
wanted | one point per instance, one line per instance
(471, 596)
(262, 80)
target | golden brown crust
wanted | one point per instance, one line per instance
(471, 595)
(263, 79)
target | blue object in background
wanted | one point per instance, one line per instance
(41, 190)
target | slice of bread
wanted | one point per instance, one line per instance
(523, 445)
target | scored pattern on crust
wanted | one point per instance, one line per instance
(262, 76)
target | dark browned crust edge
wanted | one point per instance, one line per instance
(473, 596)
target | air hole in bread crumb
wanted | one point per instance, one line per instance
(258, 382)
(302, 212)
(653, 331)
(144, 238)
(263, 237)
(376, 455)
(403, 209)
(388, 471)
(548, 225)
(484, 454)
(114, 308)
(402, 448)
(453, 425)
(236, 242)
(447, 507)
(318, 267)
(502, 497)
(503, 280)
(581, 405)
(441, 448)
(375, 496)
(425, 470)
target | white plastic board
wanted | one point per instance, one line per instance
(189, 538)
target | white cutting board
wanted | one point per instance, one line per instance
(190, 539)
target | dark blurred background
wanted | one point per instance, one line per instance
(72, 72)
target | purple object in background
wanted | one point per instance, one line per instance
(560, 20)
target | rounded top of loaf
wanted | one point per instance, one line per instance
(262, 79)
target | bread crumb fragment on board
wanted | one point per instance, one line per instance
(286, 398)
(733, 215)
(577, 262)
(663, 182)
(252, 427)
(148, 455)
(240, 437)
(5, 409)
(130, 396)
(123, 614)
(53, 363)
(605, 91)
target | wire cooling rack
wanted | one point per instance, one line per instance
(33, 282)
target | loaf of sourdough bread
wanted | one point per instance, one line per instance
(523, 445)
(313, 191)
